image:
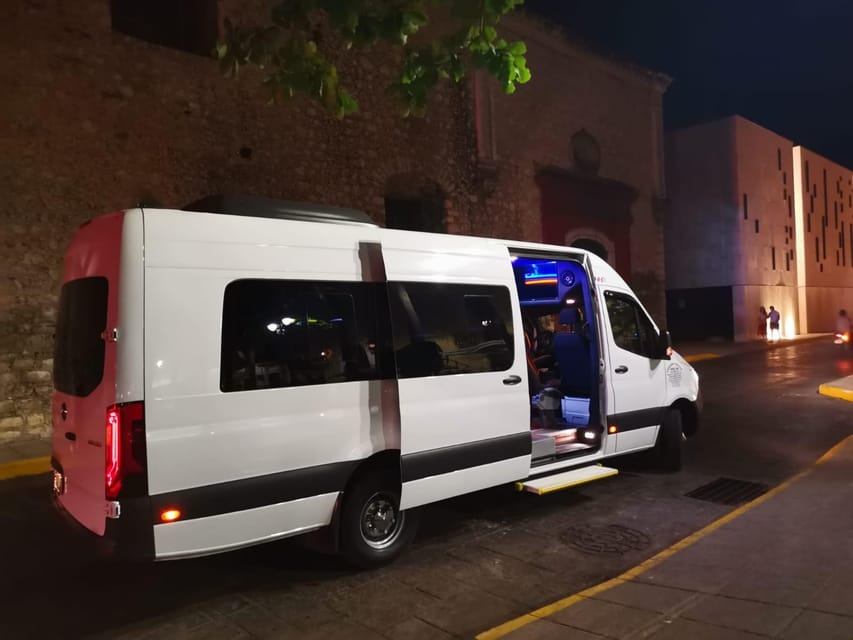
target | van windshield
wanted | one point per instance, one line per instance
(78, 360)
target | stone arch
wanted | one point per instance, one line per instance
(593, 241)
(415, 203)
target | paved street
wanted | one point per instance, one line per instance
(479, 561)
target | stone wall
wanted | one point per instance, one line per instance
(95, 121)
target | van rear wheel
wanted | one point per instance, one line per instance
(374, 531)
(669, 444)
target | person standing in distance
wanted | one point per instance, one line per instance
(774, 318)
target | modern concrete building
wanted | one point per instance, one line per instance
(754, 221)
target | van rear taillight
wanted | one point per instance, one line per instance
(124, 445)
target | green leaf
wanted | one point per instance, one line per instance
(294, 59)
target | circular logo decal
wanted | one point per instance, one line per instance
(568, 278)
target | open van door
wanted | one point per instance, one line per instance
(84, 370)
(636, 369)
(462, 378)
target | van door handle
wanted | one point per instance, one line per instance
(70, 435)
(512, 380)
(621, 369)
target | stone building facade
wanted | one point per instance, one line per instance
(95, 120)
(755, 221)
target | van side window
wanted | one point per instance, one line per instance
(447, 329)
(631, 327)
(287, 333)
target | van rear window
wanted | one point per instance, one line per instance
(78, 360)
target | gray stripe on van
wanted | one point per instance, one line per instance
(251, 493)
(463, 456)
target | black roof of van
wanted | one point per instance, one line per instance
(262, 207)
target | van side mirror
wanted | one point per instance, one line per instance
(665, 345)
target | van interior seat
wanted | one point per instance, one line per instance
(571, 351)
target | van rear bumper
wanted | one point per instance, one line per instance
(129, 537)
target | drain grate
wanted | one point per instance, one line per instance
(612, 539)
(729, 491)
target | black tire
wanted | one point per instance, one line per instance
(670, 441)
(367, 503)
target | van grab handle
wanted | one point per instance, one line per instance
(512, 380)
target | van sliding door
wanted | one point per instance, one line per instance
(464, 405)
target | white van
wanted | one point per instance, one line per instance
(246, 370)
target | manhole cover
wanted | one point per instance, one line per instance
(728, 491)
(612, 539)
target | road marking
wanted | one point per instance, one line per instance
(543, 612)
(30, 467)
(832, 391)
(696, 357)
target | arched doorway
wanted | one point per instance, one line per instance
(577, 206)
(592, 246)
(594, 242)
(414, 203)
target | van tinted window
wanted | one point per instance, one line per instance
(445, 329)
(631, 327)
(78, 359)
(287, 333)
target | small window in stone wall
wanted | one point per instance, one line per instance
(773, 258)
(817, 250)
(745, 207)
(779, 158)
(756, 226)
(188, 25)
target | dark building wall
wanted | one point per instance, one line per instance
(95, 121)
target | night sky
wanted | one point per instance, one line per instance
(786, 65)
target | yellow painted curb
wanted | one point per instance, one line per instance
(696, 357)
(543, 612)
(835, 392)
(30, 467)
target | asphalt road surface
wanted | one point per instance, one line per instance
(478, 561)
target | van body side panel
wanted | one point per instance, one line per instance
(130, 383)
(239, 529)
(467, 431)
(85, 366)
(199, 435)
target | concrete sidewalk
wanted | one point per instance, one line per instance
(778, 567)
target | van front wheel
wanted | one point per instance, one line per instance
(374, 531)
(670, 441)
